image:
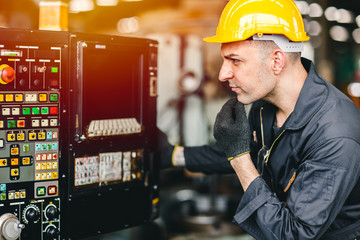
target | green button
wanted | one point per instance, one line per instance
(35, 111)
(26, 148)
(26, 111)
(11, 123)
(40, 191)
(53, 97)
(3, 196)
(54, 69)
(44, 110)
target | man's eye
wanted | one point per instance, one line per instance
(235, 60)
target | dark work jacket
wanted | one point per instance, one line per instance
(310, 188)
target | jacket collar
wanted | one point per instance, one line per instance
(312, 97)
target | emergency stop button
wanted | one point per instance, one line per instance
(7, 74)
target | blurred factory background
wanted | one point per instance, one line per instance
(195, 206)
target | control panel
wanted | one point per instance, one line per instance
(30, 82)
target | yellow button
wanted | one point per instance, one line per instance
(19, 97)
(54, 165)
(20, 136)
(54, 175)
(14, 151)
(11, 137)
(32, 136)
(43, 175)
(1, 97)
(14, 161)
(41, 135)
(49, 174)
(22, 194)
(37, 166)
(26, 160)
(42, 97)
(17, 195)
(3, 162)
(9, 97)
(1, 124)
(43, 166)
(14, 172)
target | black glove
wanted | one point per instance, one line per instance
(231, 129)
(164, 150)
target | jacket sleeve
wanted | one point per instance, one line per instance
(322, 184)
(207, 159)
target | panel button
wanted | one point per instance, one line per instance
(2, 143)
(19, 97)
(6, 111)
(21, 123)
(11, 124)
(53, 122)
(41, 135)
(26, 111)
(53, 97)
(52, 190)
(1, 97)
(26, 161)
(44, 110)
(44, 122)
(20, 137)
(35, 111)
(14, 172)
(53, 110)
(9, 97)
(15, 111)
(26, 148)
(11, 137)
(3, 196)
(3, 162)
(14, 161)
(14, 150)
(32, 136)
(1, 124)
(42, 97)
(31, 97)
(35, 123)
(40, 191)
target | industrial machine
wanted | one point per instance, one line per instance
(77, 115)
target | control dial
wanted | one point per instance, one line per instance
(51, 232)
(31, 214)
(7, 74)
(10, 227)
(51, 212)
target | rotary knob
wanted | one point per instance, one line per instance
(51, 212)
(52, 232)
(7, 74)
(31, 214)
(10, 227)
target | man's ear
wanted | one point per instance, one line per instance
(278, 61)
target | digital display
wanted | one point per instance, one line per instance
(112, 80)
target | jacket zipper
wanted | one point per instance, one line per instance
(272, 145)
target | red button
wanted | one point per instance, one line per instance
(53, 110)
(52, 190)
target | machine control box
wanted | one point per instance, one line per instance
(76, 120)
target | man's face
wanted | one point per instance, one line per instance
(249, 76)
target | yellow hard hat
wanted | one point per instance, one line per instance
(242, 19)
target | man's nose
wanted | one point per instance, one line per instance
(225, 73)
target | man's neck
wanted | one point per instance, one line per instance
(287, 92)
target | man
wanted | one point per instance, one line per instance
(297, 156)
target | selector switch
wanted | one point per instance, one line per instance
(51, 212)
(52, 232)
(31, 214)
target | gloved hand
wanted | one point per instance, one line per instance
(164, 150)
(231, 129)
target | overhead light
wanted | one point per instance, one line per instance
(315, 10)
(81, 5)
(314, 28)
(345, 16)
(107, 2)
(356, 35)
(357, 19)
(303, 7)
(354, 89)
(128, 25)
(339, 33)
(331, 14)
